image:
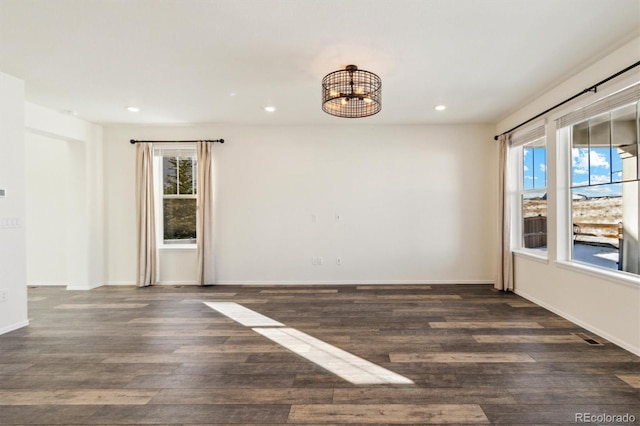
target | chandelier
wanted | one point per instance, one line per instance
(351, 93)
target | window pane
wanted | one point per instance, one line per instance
(599, 150)
(179, 219)
(185, 176)
(170, 175)
(195, 175)
(527, 167)
(624, 149)
(534, 214)
(599, 166)
(597, 213)
(539, 167)
(580, 154)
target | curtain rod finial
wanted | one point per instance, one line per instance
(132, 141)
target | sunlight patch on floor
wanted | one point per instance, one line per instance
(244, 316)
(339, 362)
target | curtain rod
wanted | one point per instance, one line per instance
(133, 141)
(593, 89)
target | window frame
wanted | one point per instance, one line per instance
(518, 142)
(625, 92)
(188, 151)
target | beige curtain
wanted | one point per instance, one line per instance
(204, 215)
(147, 255)
(504, 276)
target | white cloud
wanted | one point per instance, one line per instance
(543, 167)
(602, 191)
(526, 168)
(598, 160)
(596, 179)
(583, 157)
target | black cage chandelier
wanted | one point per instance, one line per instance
(351, 93)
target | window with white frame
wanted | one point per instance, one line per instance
(531, 154)
(177, 184)
(604, 182)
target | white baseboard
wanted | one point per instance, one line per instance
(357, 282)
(177, 283)
(352, 282)
(83, 287)
(15, 326)
(120, 283)
(587, 326)
(46, 284)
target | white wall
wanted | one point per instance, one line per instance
(13, 311)
(416, 204)
(47, 211)
(606, 305)
(66, 243)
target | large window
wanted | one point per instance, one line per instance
(604, 189)
(178, 172)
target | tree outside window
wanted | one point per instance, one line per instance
(179, 185)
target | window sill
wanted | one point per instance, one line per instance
(170, 247)
(615, 277)
(533, 255)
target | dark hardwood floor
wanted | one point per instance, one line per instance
(159, 355)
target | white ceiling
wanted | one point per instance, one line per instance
(180, 61)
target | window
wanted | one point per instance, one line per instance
(530, 156)
(604, 193)
(178, 182)
(604, 190)
(534, 195)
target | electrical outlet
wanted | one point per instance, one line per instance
(4, 294)
(10, 222)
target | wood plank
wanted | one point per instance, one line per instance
(460, 357)
(243, 395)
(102, 306)
(413, 287)
(435, 395)
(485, 324)
(419, 296)
(388, 413)
(226, 348)
(524, 338)
(77, 397)
(632, 380)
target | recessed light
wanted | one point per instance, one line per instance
(441, 107)
(232, 94)
(270, 108)
(133, 109)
